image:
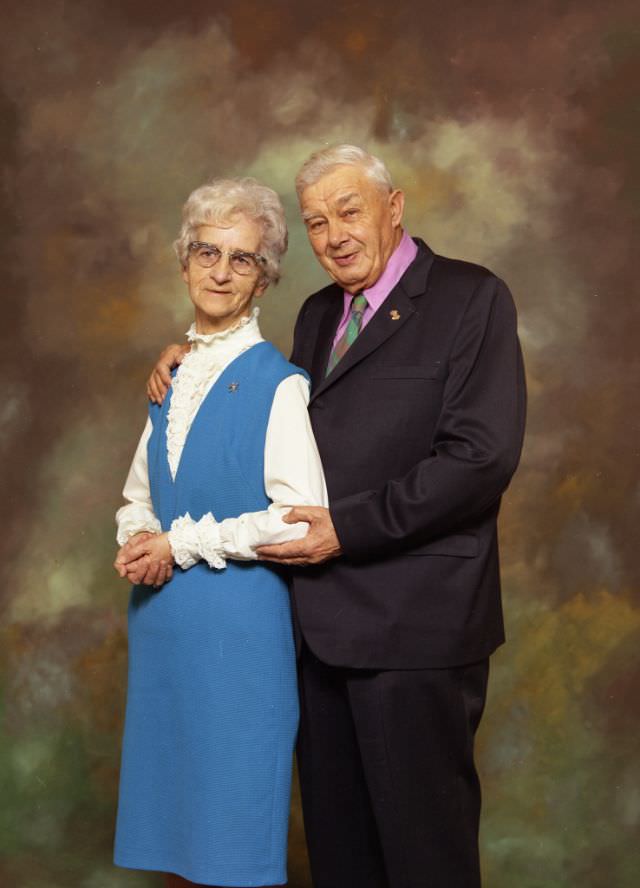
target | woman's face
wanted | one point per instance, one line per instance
(220, 295)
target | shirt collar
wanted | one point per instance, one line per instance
(246, 328)
(399, 261)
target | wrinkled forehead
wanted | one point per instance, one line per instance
(339, 186)
(236, 231)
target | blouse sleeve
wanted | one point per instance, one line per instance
(137, 514)
(293, 476)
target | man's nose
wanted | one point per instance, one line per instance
(337, 233)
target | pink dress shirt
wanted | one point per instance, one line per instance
(400, 260)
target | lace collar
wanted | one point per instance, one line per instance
(246, 328)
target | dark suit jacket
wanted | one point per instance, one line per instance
(420, 429)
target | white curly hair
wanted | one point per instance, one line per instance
(220, 201)
(321, 162)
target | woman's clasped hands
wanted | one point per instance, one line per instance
(145, 559)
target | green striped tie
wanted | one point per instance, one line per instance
(358, 305)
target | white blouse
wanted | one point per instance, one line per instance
(293, 473)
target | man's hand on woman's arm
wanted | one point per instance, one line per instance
(160, 379)
(320, 543)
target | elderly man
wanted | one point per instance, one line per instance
(418, 406)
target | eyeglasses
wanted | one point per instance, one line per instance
(207, 255)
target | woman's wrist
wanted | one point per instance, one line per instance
(192, 541)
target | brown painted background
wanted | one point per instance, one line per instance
(514, 129)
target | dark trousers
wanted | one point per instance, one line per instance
(390, 793)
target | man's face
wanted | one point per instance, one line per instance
(353, 225)
(220, 295)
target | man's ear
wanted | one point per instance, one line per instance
(396, 205)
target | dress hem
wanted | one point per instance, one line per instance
(198, 878)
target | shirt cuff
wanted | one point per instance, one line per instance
(191, 541)
(138, 521)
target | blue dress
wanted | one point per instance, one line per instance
(212, 708)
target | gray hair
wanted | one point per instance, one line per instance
(325, 160)
(220, 200)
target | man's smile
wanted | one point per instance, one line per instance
(345, 260)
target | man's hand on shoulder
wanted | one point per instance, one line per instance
(160, 379)
(320, 544)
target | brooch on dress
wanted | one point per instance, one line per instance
(233, 387)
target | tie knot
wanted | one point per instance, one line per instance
(359, 302)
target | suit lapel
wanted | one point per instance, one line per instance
(394, 312)
(381, 326)
(326, 332)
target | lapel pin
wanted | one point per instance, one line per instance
(234, 386)
(394, 314)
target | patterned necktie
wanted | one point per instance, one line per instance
(358, 305)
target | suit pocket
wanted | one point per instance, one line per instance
(409, 371)
(461, 545)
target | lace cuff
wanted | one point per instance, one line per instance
(192, 540)
(136, 520)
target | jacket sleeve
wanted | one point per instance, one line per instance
(476, 445)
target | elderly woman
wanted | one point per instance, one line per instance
(212, 706)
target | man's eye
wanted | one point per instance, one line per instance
(351, 212)
(317, 226)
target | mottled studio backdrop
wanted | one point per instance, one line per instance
(514, 130)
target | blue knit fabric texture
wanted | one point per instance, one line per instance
(212, 708)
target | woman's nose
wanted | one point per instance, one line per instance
(221, 271)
